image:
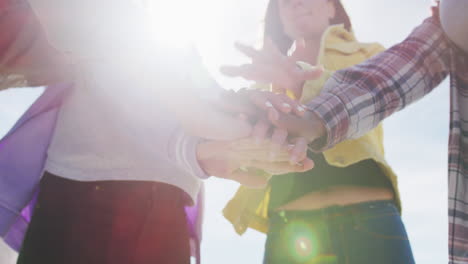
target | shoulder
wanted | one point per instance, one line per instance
(340, 40)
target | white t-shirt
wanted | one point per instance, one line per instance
(113, 125)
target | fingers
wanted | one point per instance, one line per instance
(306, 75)
(310, 126)
(288, 104)
(281, 102)
(249, 51)
(260, 130)
(233, 71)
(299, 110)
(294, 125)
(232, 103)
(251, 180)
(273, 52)
(299, 151)
(284, 121)
(268, 100)
(278, 168)
(307, 164)
(278, 139)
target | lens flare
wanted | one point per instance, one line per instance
(303, 244)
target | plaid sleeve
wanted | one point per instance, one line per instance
(358, 98)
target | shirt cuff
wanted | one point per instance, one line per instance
(183, 152)
(192, 160)
(331, 110)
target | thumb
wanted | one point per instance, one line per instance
(311, 74)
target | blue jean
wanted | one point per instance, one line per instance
(357, 234)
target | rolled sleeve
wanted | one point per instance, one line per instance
(331, 110)
(355, 100)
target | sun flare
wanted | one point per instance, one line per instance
(180, 23)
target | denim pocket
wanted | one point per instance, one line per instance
(385, 224)
(378, 236)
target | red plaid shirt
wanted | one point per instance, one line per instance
(357, 99)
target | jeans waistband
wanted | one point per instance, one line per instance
(334, 212)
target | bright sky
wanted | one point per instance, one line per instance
(415, 140)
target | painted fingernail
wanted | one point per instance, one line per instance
(268, 104)
(300, 109)
(286, 105)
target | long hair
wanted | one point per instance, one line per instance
(275, 31)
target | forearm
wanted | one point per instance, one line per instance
(357, 99)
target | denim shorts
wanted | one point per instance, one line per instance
(365, 233)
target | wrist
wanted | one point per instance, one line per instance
(201, 156)
(211, 156)
(319, 131)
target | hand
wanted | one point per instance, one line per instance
(249, 102)
(290, 121)
(229, 160)
(257, 103)
(309, 127)
(270, 66)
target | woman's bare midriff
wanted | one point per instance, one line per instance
(337, 195)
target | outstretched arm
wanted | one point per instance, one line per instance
(357, 99)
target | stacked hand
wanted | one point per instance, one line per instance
(282, 127)
(270, 66)
(248, 162)
(287, 116)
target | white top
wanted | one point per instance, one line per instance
(112, 126)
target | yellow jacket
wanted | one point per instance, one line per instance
(339, 49)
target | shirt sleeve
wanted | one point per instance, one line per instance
(183, 151)
(358, 98)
